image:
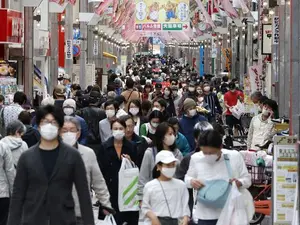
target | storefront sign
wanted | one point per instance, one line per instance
(275, 30)
(11, 26)
(254, 74)
(266, 39)
(69, 44)
(284, 179)
(162, 15)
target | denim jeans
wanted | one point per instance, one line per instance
(207, 222)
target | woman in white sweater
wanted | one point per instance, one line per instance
(165, 198)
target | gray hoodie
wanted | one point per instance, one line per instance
(17, 147)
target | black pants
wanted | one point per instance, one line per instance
(231, 121)
(4, 209)
(207, 222)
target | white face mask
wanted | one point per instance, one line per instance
(155, 125)
(191, 89)
(210, 159)
(266, 112)
(193, 112)
(118, 134)
(167, 93)
(69, 138)
(207, 88)
(155, 108)
(49, 132)
(169, 140)
(68, 111)
(168, 172)
(200, 99)
(110, 113)
(134, 111)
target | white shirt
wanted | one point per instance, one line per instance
(203, 171)
(120, 113)
(177, 197)
(11, 113)
(137, 126)
(259, 132)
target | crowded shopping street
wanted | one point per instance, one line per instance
(144, 112)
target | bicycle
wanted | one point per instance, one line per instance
(261, 191)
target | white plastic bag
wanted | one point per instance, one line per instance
(128, 187)
(238, 110)
(108, 220)
(237, 210)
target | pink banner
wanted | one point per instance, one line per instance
(228, 8)
(102, 6)
(72, 2)
(206, 15)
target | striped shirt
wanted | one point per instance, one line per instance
(213, 102)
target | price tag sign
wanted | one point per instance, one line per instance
(96, 47)
(69, 50)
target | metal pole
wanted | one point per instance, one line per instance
(83, 55)
(242, 55)
(249, 45)
(234, 52)
(54, 52)
(28, 50)
(69, 36)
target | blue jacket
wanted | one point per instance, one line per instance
(187, 127)
(84, 130)
(183, 144)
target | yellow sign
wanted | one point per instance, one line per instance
(162, 15)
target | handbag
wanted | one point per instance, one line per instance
(215, 192)
(167, 220)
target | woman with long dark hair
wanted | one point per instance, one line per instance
(165, 140)
(135, 110)
(168, 97)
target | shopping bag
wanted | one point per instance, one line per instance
(238, 110)
(128, 187)
(108, 220)
(235, 211)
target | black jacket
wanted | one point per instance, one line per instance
(110, 165)
(38, 201)
(31, 137)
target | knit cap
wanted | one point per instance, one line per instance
(188, 103)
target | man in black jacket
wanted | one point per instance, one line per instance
(46, 173)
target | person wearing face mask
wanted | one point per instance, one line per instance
(15, 130)
(70, 134)
(164, 140)
(189, 119)
(121, 102)
(147, 130)
(110, 159)
(213, 102)
(69, 109)
(165, 199)
(262, 129)
(208, 165)
(230, 99)
(111, 107)
(205, 109)
(191, 94)
(157, 93)
(46, 174)
(135, 110)
(176, 98)
(161, 105)
(168, 97)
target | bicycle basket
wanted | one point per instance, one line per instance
(260, 175)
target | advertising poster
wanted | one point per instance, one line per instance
(267, 39)
(284, 179)
(163, 15)
(255, 72)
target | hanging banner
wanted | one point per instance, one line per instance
(162, 15)
(201, 61)
(284, 179)
(275, 30)
(69, 50)
(227, 56)
(254, 75)
(96, 47)
(123, 63)
(266, 43)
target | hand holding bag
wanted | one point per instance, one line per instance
(108, 220)
(128, 186)
(238, 110)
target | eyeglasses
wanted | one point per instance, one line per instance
(53, 122)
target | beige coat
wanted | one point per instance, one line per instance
(94, 177)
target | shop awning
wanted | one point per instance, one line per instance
(111, 56)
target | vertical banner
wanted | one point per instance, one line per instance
(254, 75)
(69, 49)
(96, 47)
(285, 178)
(163, 15)
(123, 63)
(275, 30)
(201, 61)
